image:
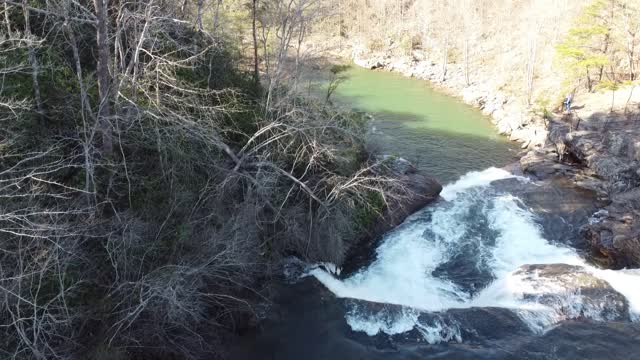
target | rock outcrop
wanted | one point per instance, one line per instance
(614, 232)
(606, 160)
(421, 189)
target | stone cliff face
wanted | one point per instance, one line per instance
(614, 157)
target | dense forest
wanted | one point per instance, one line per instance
(154, 167)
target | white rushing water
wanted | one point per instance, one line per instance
(403, 272)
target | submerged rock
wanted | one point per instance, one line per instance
(388, 325)
(572, 292)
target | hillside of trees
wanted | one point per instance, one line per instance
(154, 166)
(535, 51)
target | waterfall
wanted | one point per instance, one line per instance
(468, 251)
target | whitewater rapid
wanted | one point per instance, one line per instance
(495, 234)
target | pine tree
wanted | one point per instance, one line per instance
(587, 47)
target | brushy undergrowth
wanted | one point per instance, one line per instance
(158, 248)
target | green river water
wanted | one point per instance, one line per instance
(437, 132)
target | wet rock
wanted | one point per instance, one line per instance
(292, 269)
(421, 187)
(397, 165)
(562, 207)
(543, 164)
(614, 236)
(573, 292)
(583, 340)
(412, 326)
(487, 323)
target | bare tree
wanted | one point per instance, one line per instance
(35, 69)
(530, 66)
(445, 58)
(75, 226)
(216, 17)
(103, 75)
(254, 14)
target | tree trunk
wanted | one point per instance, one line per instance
(183, 7)
(199, 15)
(104, 78)
(613, 99)
(533, 48)
(35, 68)
(604, 51)
(466, 61)
(626, 105)
(6, 19)
(445, 58)
(216, 17)
(631, 51)
(256, 70)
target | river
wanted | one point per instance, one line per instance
(495, 269)
(438, 133)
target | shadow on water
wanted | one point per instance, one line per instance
(445, 155)
(438, 133)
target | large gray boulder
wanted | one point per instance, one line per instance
(614, 232)
(573, 292)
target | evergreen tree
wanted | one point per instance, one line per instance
(587, 46)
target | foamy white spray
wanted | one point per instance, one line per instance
(406, 258)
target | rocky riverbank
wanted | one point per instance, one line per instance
(604, 159)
